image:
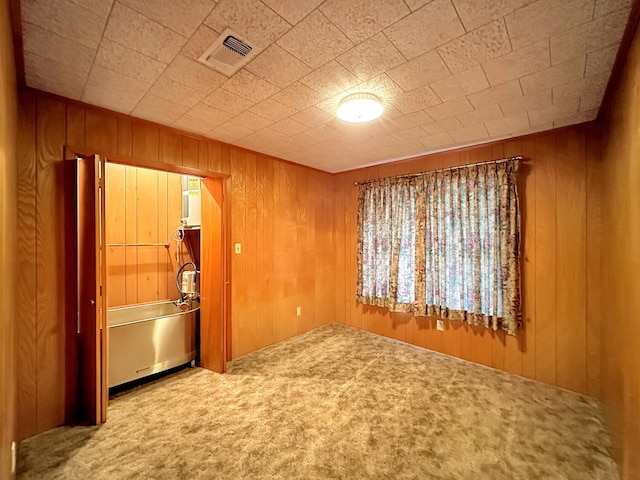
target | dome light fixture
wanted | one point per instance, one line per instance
(359, 108)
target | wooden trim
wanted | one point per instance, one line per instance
(18, 50)
(96, 372)
(142, 163)
(226, 245)
(621, 57)
(102, 334)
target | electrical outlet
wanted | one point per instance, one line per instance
(238, 248)
(299, 311)
(14, 459)
(440, 325)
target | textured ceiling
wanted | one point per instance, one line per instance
(450, 72)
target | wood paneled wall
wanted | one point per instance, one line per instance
(142, 206)
(621, 263)
(10, 297)
(560, 204)
(280, 213)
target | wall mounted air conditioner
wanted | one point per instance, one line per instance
(191, 201)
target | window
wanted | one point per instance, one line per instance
(443, 243)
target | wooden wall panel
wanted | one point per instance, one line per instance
(281, 223)
(170, 147)
(146, 141)
(203, 154)
(289, 251)
(125, 137)
(50, 248)
(26, 281)
(142, 206)
(264, 240)
(250, 248)
(174, 213)
(571, 273)
(275, 217)
(557, 267)
(545, 253)
(101, 131)
(325, 245)
(162, 254)
(214, 157)
(284, 244)
(239, 318)
(620, 302)
(10, 304)
(147, 232)
(190, 155)
(75, 125)
(594, 267)
(131, 236)
(116, 232)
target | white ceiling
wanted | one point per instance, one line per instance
(450, 72)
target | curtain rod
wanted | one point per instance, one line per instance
(411, 175)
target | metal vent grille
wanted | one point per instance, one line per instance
(228, 53)
(237, 45)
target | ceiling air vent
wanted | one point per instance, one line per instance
(228, 54)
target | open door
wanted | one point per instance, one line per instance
(85, 306)
(212, 282)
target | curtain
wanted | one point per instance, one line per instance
(443, 243)
(387, 243)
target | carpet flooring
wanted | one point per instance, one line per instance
(334, 403)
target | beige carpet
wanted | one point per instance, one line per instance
(334, 403)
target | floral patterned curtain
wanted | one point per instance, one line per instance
(443, 243)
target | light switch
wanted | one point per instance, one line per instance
(238, 249)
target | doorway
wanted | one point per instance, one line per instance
(139, 240)
(152, 260)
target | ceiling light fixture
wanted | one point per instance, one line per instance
(359, 107)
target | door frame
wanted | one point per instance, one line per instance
(222, 351)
